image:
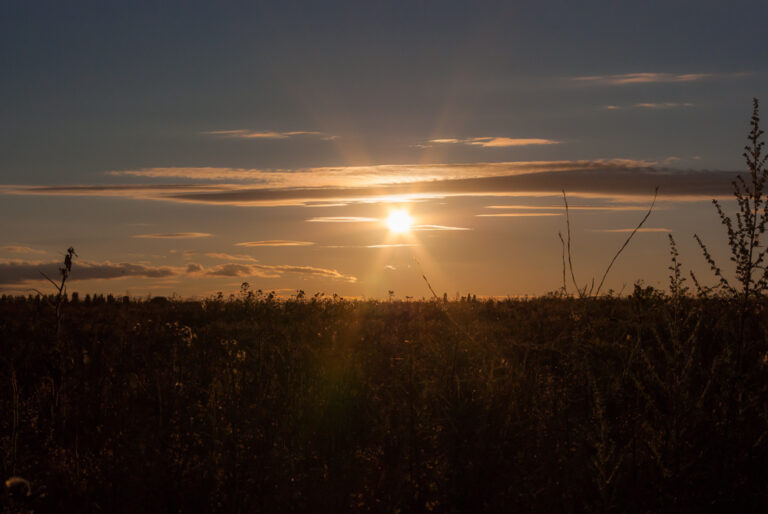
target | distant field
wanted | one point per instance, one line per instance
(640, 404)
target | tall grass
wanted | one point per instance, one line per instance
(654, 402)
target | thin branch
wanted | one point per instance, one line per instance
(570, 261)
(562, 243)
(51, 281)
(424, 276)
(655, 194)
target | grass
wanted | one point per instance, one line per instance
(653, 402)
(253, 405)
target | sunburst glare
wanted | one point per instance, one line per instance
(399, 221)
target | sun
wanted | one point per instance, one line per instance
(399, 221)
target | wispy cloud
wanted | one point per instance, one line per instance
(342, 219)
(655, 106)
(275, 271)
(496, 142)
(385, 245)
(275, 242)
(20, 249)
(663, 105)
(622, 230)
(394, 245)
(230, 257)
(341, 176)
(641, 78)
(255, 134)
(437, 227)
(24, 272)
(173, 235)
(612, 179)
(19, 272)
(517, 214)
(571, 207)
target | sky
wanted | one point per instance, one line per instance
(183, 148)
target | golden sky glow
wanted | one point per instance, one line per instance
(329, 157)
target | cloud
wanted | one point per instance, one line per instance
(19, 272)
(570, 207)
(302, 179)
(615, 230)
(496, 142)
(201, 173)
(341, 219)
(254, 134)
(518, 214)
(654, 106)
(173, 235)
(20, 249)
(275, 242)
(384, 245)
(437, 227)
(309, 270)
(27, 272)
(611, 179)
(232, 270)
(226, 256)
(275, 271)
(663, 105)
(642, 78)
(394, 245)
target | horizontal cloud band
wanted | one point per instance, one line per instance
(26, 272)
(599, 178)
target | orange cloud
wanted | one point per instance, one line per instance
(19, 249)
(226, 256)
(663, 105)
(496, 142)
(275, 242)
(275, 271)
(254, 134)
(517, 214)
(642, 78)
(437, 227)
(619, 230)
(173, 235)
(341, 219)
(570, 207)
(656, 106)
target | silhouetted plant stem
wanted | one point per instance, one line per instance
(584, 292)
(642, 222)
(562, 244)
(568, 244)
(61, 286)
(751, 220)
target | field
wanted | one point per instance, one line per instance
(647, 403)
(652, 402)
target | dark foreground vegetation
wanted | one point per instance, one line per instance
(643, 404)
(651, 403)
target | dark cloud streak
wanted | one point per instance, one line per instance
(18, 272)
(596, 177)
